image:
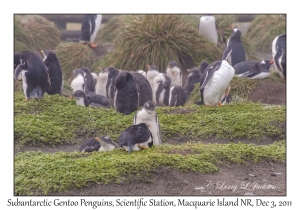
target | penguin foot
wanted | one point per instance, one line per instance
(93, 45)
(219, 104)
(143, 146)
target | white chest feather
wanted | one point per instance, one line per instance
(207, 28)
(261, 75)
(175, 75)
(100, 88)
(215, 89)
(80, 102)
(150, 77)
(106, 147)
(77, 83)
(97, 27)
(24, 83)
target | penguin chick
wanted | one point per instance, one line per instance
(177, 96)
(91, 99)
(106, 144)
(90, 145)
(174, 72)
(148, 115)
(136, 137)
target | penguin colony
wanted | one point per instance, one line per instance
(126, 91)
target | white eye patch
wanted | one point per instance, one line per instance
(263, 62)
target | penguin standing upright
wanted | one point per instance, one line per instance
(101, 83)
(54, 71)
(194, 77)
(34, 73)
(214, 85)
(90, 27)
(91, 99)
(174, 72)
(279, 54)
(110, 85)
(161, 89)
(95, 76)
(151, 73)
(88, 79)
(132, 90)
(136, 137)
(253, 69)
(77, 82)
(177, 96)
(234, 51)
(148, 115)
(209, 29)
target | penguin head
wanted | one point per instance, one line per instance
(236, 32)
(49, 55)
(18, 70)
(152, 67)
(121, 79)
(104, 70)
(149, 106)
(265, 64)
(79, 94)
(77, 72)
(172, 64)
(86, 70)
(105, 141)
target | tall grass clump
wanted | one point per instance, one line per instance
(157, 39)
(44, 35)
(263, 29)
(22, 40)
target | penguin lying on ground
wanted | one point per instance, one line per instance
(136, 137)
(148, 115)
(54, 71)
(91, 99)
(234, 51)
(209, 29)
(177, 96)
(253, 69)
(34, 73)
(214, 85)
(100, 87)
(174, 72)
(111, 82)
(90, 27)
(101, 144)
(279, 54)
(194, 77)
(151, 73)
(132, 91)
(161, 89)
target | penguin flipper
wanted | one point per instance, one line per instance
(94, 105)
(227, 53)
(207, 76)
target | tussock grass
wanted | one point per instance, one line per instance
(263, 30)
(37, 173)
(157, 39)
(22, 40)
(72, 55)
(44, 35)
(55, 120)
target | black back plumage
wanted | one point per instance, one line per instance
(252, 68)
(135, 134)
(110, 85)
(144, 88)
(92, 99)
(178, 96)
(87, 26)
(234, 49)
(54, 71)
(164, 85)
(90, 145)
(88, 79)
(37, 77)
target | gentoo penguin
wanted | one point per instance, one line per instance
(78, 80)
(148, 115)
(90, 145)
(234, 51)
(142, 72)
(151, 73)
(101, 83)
(214, 85)
(95, 76)
(136, 137)
(279, 54)
(177, 96)
(174, 72)
(253, 69)
(161, 89)
(194, 77)
(91, 99)
(54, 71)
(132, 91)
(90, 27)
(110, 85)
(209, 29)
(106, 144)
(34, 73)
(88, 79)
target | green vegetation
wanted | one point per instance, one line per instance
(55, 120)
(157, 39)
(22, 40)
(38, 173)
(263, 30)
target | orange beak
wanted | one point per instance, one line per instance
(42, 51)
(71, 97)
(232, 26)
(168, 66)
(98, 139)
(188, 70)
(272, 61)
(148, 125)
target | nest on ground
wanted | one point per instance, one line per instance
(263, 29)
(158, 39)
(44, 35)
